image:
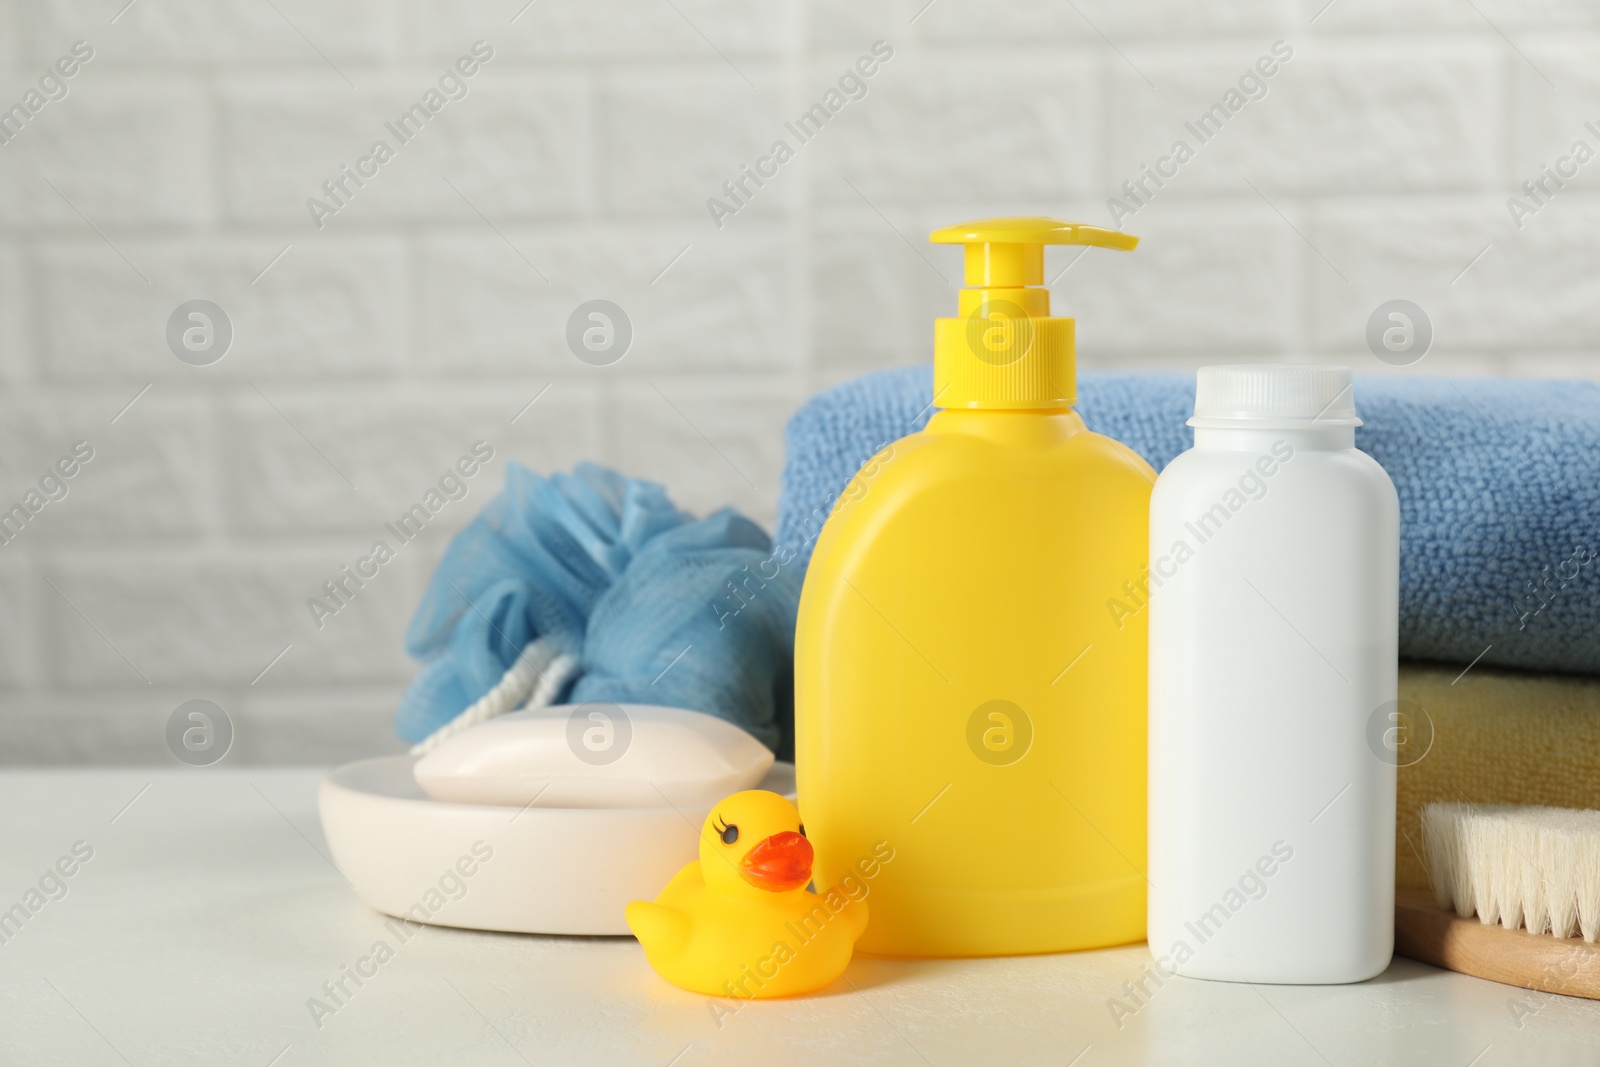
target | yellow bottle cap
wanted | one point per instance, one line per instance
(1004, 350)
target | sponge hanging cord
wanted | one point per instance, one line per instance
(537, 677)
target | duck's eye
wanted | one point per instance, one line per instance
(730, 834)
(802, 829)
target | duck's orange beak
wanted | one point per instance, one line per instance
(778, 864)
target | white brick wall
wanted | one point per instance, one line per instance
(425, 313)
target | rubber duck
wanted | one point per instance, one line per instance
(740, 921)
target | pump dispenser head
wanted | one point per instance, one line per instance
(1004, 350)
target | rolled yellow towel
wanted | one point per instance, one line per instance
(1498, 737)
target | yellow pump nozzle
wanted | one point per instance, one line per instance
(1006, 350)
(1010, 252)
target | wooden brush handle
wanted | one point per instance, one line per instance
(1424, 931)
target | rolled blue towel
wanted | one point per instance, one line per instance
(656, 606)
(1498, 479)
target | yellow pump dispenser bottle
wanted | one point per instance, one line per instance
(967, 701)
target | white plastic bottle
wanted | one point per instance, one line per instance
(1273, 601)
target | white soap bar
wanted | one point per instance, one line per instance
(595, 755)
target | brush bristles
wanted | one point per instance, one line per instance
(1537, 868)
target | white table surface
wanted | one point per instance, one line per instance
(209, 914)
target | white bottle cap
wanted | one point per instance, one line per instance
(1273, 396)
